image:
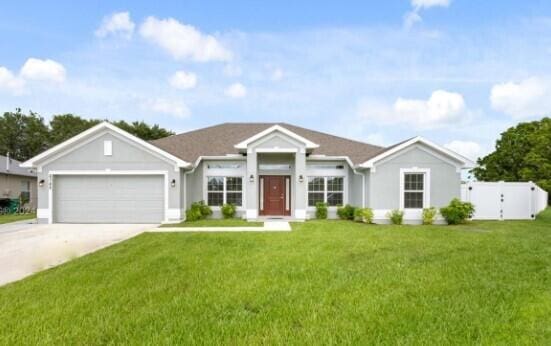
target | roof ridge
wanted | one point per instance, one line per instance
(334, 136)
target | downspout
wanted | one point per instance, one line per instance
(8, 161)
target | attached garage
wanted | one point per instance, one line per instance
(108, 198)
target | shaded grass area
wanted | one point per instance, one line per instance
(216, 223)
(7, 218)
(327, 282)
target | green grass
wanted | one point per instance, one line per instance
(216, 223)
(7, 218)
(327, 282)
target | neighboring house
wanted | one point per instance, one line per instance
(16, 181)
(106, 175)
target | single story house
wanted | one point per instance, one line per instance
(17, 182)
(106, 175)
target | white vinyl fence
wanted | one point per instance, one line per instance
(504, 201)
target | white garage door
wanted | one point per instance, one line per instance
(108, 198)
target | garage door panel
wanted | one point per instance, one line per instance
(109, 199)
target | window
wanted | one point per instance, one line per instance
(274, 167)
(234, 188)
(107, 148)
(334, 191)
(414, 190)
(325, 189)
(316, 190)
(222, 190)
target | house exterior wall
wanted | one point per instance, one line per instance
(126, 156)
(384, 181)
(10, 187)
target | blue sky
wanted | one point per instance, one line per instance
(455, 71)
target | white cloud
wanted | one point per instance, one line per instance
(429, 3)
(183, 80)
(441, 108)
(116, 24)
(277, 74)
(43, 70)
(236, 90)
(10, 82)
(530, 97)
(175, 108)
(413, 16)
(468, 149)
(183, 41)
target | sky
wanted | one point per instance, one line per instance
(457, 72)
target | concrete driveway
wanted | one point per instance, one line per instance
(26, 248)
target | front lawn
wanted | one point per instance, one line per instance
(216, 223)
(7, 218)
(327, 282)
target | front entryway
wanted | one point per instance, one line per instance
(275, 195)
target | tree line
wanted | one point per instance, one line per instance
(26, 135)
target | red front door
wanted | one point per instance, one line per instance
(274, 195)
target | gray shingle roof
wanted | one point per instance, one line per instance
(14, 168)
(220, 139)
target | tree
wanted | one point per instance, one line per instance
(523, 153)
(142, 130)
(65, 126)
(23, 136)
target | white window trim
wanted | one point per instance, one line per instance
(224, 191)
(344, 189)
(426, 185)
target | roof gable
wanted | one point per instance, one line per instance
(276, 128)
(463, 161)
(73, 142)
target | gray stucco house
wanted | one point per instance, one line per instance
(105, 175)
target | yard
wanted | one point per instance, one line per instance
(325, 282)
(7, 218)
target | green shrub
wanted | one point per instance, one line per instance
(228, 210)
(321, 210)
(193, 214)
(346, 212)
(457, 212)
(429, 214)
(363, 215)
(206, 211)
(199, 210)
(396, 217)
